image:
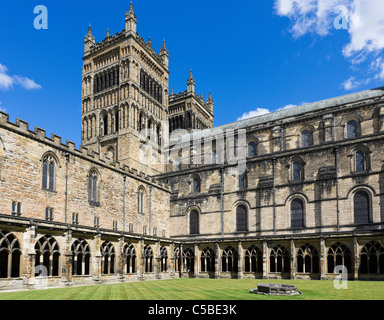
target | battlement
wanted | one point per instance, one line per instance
(22, 127)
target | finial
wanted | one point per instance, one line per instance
(190, 74)
(131, 8)
(149, 41)
(90, 30)
(107, 33)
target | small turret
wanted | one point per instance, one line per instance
(190, 83)
(209, 103)
(164, 54)
(130, 20)
(89, 41)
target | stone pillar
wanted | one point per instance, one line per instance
(30, 259)
(139, 256)
(293, 264)
(120, 259)
(66, 271)
(196, 266)
(328, 127)
(157, 261)
(355, 259)
(323, 256)
(276, 139)
(217, 261)
(265, 259)
(240, 261)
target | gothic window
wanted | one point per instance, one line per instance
(176, 254)
(242, 180)
(229, 262)
(48, 255)
(279, 260)
(148, 259)
(93, 188)
(339, 255)
(49, 165)
(163, 259)
(241, 219)
(352, 129)
(253, 260)
(307, 260)
(194, 222)
(16, 208)
(207, 260)
(296, 171)
(305, 138)
(214, 156)
(372, 258)
(107, 258)
(252, 150)
(140, 201)
(49, 214)
(188, 259)
(360, 161)
(130, 258)
(10, 255)
(105, 123)
(196, 188)
(297, 213)
(80, 257)
(361, 207)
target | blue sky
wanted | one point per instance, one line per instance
(253, 55)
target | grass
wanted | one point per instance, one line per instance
(203, 289)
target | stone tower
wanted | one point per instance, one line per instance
(124, 96)
(189, 111)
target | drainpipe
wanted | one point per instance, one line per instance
(124, 180)
(150, 207)
(336, 151)
(274, 194)
(66, 187)
(222, 201)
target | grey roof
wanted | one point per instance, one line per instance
(292, 112)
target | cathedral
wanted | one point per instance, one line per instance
(155, 191)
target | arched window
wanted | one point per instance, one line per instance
(307, 260)
(81, 255)
(361, 207)
(148, 259)
(163, 259)
(130, 258)
(252, 150)
(296, 171)
(194, 222)
(93, 187)
(339, 255)
(208, 260)
(253, 260)
(372, 258)
(279, 260)
(352, 129)
(10, 255)
(241, 219)
(196, 188)
(188, 260)
(229, 262)
(242, 180)
(305, 138)
(177, 257)
(140, 201)
(107, 258)
(48, 255)
(360, 165)
(105, 124)
(297, 213)
(49, 165)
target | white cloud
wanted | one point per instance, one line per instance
(254, 113)
(262, 111)
(7, 81)
(365, 19)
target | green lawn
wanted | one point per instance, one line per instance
(202, 289)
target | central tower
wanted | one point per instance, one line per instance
(124, 93)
